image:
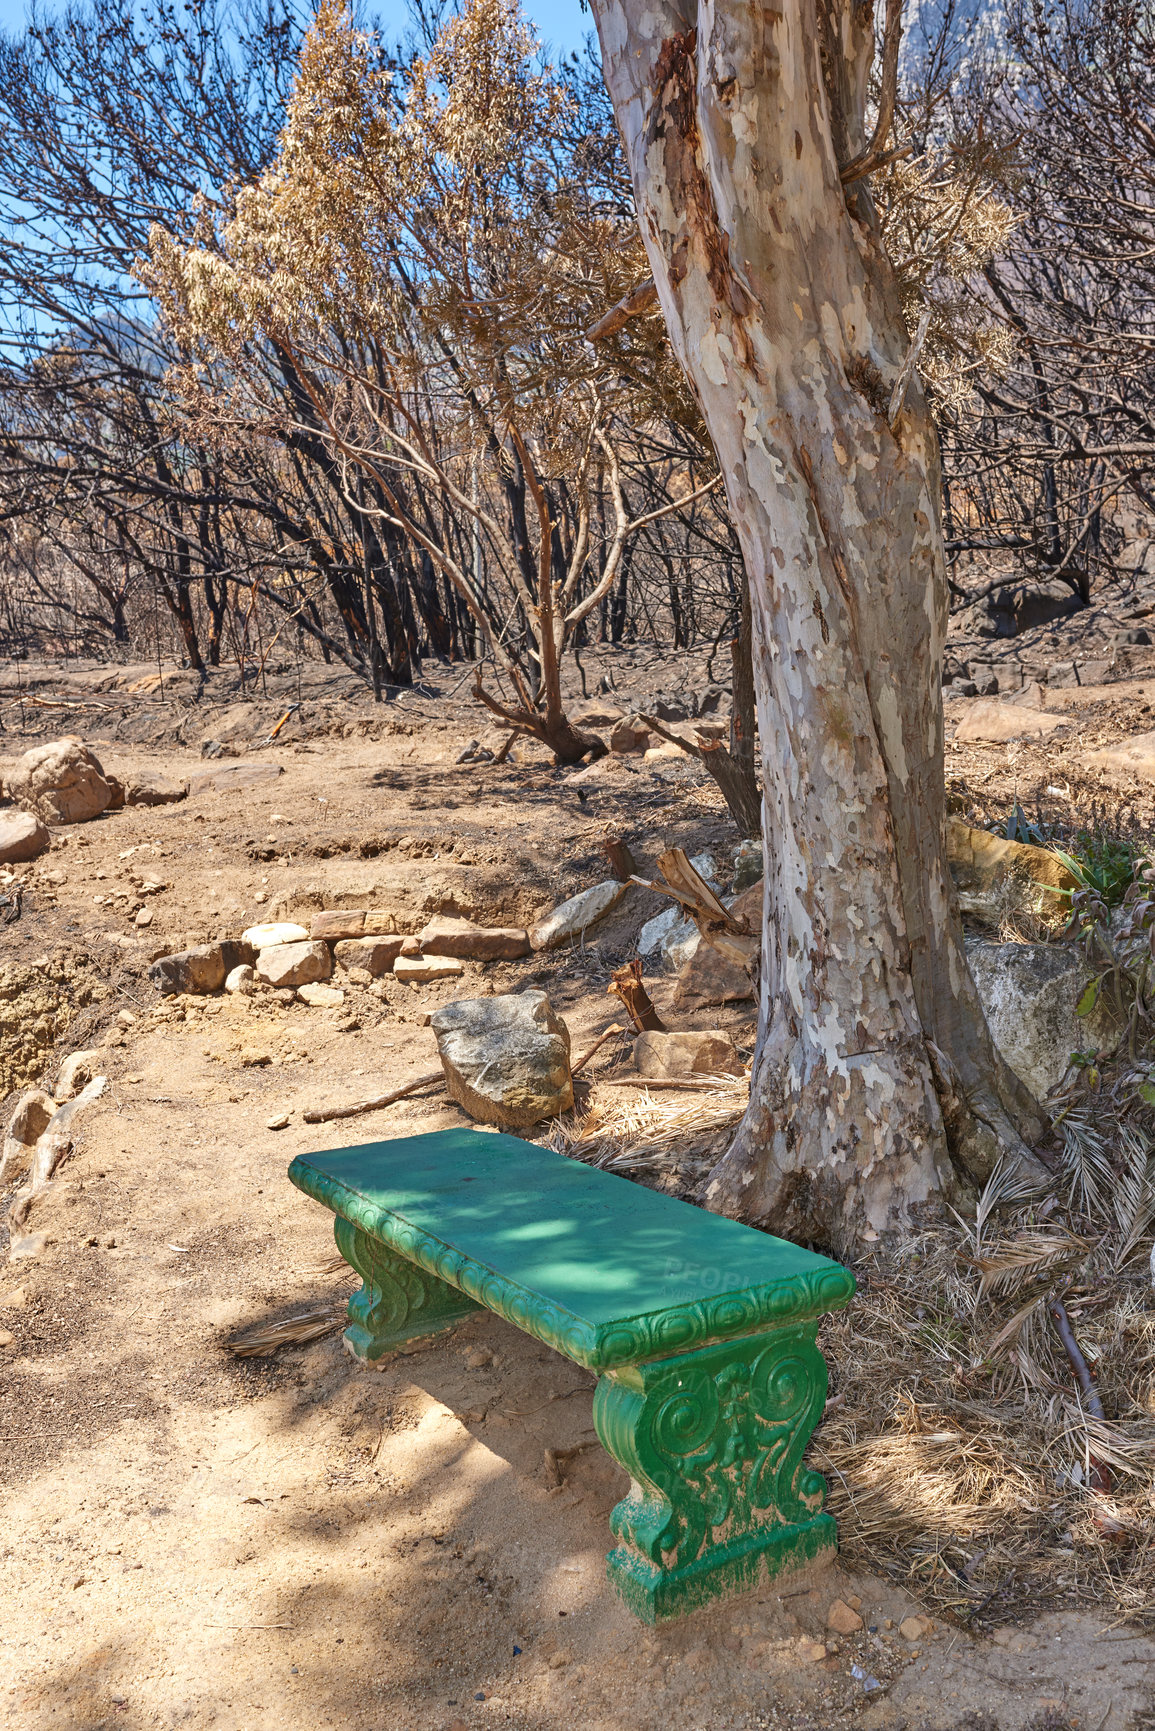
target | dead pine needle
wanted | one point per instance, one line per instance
(306, 1325)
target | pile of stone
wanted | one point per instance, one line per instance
(289, 958)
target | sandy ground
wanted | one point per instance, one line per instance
(190, 1539)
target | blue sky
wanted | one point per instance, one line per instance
(562, 23)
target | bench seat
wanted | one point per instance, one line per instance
(702, 1330)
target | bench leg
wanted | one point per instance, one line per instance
(713, 1441)
(398, 1301)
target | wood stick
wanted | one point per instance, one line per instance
(322, 1114)
(614, 1028)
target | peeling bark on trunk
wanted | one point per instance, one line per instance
(874, 1063)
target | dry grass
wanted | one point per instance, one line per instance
(638, 1132)
(959, 1457)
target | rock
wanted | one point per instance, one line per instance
(337, 924)
(561, 1658)
(1029, 993)
(280, 1122)
(707, 978)
(597, 715)
(27, 1124)
(651, 936)
(687, 1054)
(575, 916)
(379, 924)
(416, 970)
(842, 1619)
(62, 782)
(680, 943)
(811, 1651)
(143, 917)
(232, 776)
(116, 790)
(659, 753)
(997, 722)
(1138, 635)
(276, 932)
(374, 956)
(748, 865)
(448, 936)
(915, 1628)
(147, 787)
(22, 837)
(199, 970)
(1029, 695)
(321, 997)
(1063, 675)
(960, 688)
(992, 873)
(506, 1059)
(409, 947)
(75, 1073)
(630, 735)
(294, 964)
(240, 979)
(28, 1246)
(1134, 756)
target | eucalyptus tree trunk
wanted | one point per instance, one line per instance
(874, 1065)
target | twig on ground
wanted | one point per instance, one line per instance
(614, 1028)
(323, 1114)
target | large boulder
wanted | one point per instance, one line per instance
(993, 875)
(294, 964)
(1029, 993)
(62, 782)
(22, 837)
(506, 1059)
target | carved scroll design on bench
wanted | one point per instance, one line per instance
(398, 1301)
(714, 1443)
(677, 1329)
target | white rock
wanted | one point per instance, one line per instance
(276, 932)
(702, 1053)
(575, 916)
(680, 943)
(651, 935)
(506, 1058)
(241, 979)
(298, 964)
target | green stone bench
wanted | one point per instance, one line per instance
(703, 1331)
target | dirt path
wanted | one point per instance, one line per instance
(191, 1539)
